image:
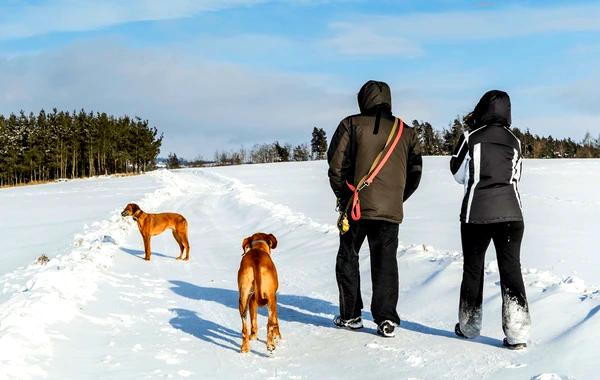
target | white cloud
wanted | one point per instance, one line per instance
(203, 105)
(350, 39)
(25, 19)
(200, 105)
(560, 125)
(568, 108)
(405, 34)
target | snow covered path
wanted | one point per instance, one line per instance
(107, 313)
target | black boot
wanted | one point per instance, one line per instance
(458, 332)
(386, 329)
(516, 346)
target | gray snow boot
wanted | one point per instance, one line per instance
(351, 324)
(386, 329)
(516, 346)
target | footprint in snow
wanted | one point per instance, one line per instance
(516, 365)
(137, 348)
(167, 358)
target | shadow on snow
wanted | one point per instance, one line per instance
(141, 254)
(292, 308)
(191, 323)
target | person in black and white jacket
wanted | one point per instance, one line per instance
(487, 160)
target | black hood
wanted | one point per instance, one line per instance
(492, 109)
(374, 96)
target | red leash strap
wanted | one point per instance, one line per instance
(355, 212)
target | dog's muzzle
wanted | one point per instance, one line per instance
(124, 213)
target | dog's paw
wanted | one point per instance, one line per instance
(253, 336)
(186, 259)
(245, 348)
(178, 258)
(271, 348)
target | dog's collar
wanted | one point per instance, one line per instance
(136, 215)
(252, 244)
(259, 241)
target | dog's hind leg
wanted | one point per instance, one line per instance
(244, 298)
(253, 317)
(186, 243)
(272, 324)
(178, 240)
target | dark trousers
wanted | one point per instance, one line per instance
(507, 237)
(383, 243)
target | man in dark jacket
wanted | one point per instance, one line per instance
(353, 149)
(487, 160)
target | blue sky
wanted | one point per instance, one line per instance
(217, 74)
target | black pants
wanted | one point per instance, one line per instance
(383, 243)
(507, 237)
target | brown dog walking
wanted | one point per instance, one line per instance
(155, 224)
(257, 283)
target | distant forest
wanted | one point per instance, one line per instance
(261, 153)
(50, 146)
(433, 143)
(56, 145)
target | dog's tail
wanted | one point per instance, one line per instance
(261, 298)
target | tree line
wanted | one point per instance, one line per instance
(434, 142)
(277, 152)
(59, 144)
(261, 153)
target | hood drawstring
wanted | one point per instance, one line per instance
(377, 119)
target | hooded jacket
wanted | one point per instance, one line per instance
(488, 161)
(356, 143)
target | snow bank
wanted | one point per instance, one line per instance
(56, 291)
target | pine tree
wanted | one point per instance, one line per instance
(301, 153)
(61, 144)
(452, 135)
(282, 152)
(173, 161)
(318, 144)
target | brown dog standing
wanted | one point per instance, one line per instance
(257, 283)
(154, 224)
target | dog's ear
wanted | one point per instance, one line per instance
(272, 241)
(134, 207)
(246, 243)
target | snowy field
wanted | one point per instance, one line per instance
(97, 310)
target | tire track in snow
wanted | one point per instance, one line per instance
(246, 196)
